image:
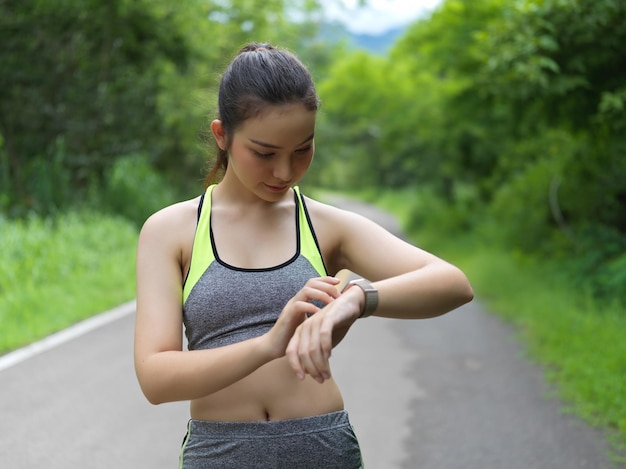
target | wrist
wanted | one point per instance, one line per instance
(369, 295)
(265, 348)
(356, 298)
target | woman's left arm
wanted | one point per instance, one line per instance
(411, 284)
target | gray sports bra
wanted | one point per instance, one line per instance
(223, 304)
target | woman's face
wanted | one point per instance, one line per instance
(272, 152)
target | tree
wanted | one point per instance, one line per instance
(84, 83)
(558, 65)
(79, 86)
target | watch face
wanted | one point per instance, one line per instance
(364, 284)
(348, 278)
(345, 277)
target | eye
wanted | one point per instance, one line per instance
(263, 155)
(304, 150)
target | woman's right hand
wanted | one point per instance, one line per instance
(322, 289)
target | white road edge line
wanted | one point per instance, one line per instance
(61, 337)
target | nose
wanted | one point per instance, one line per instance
(283, 169)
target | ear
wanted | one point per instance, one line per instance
(218, 132)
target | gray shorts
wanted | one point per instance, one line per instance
(319, 442)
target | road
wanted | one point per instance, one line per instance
(453, 392)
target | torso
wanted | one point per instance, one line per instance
(270, 393)
(251, 240)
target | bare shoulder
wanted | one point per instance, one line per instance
(173, 214)
(328, 220)
(322, 210)
(172, 223)
(347, 238)
(351, 240)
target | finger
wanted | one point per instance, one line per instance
(313, 357)
(294, 313)
(326, 341)
(323, 293)
(325, 284)
(292, 355)
(322, 348)
(333, 282)
(305, 350)
(328, 279)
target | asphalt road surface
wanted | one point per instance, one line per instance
(453, 392)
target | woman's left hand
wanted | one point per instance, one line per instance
(310, 348)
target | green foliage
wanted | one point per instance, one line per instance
(508, 116)
(133, 189)
(354, 107)
(557, 51)
(108, 78)
(533, 172)
(375, 131)
(596, 262)
(84, 73)
(54, 273)
(552, 65)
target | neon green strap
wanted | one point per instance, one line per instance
(308, 246)
(202, 251)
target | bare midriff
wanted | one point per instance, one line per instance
(273, 392)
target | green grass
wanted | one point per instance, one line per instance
(54, 274)
(580, 342)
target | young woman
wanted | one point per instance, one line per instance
(247, 268)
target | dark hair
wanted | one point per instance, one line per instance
(259, 76)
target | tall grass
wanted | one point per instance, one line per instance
(54, 273)
(56, 270)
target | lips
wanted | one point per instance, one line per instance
(277, 188)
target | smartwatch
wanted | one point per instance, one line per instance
(348, 279)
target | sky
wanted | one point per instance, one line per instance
(379, 15)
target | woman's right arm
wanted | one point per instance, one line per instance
(164, 371)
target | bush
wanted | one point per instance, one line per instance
(43, 187)
(527, 206)
(597, 262)
(429, 213)
(134, 189)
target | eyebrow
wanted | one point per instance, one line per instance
(269, 145)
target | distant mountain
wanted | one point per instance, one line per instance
(336, 32)
(379, 43)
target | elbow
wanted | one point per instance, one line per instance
(464, 290)
(155, 401)
(150, 389)
(151, 395)
(468, 295)
(455, 289)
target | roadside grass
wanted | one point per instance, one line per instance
(578, 340)
(56, 273)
